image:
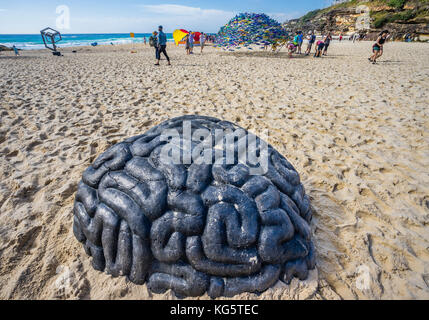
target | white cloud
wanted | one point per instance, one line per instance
(179, 10)
(178, 16)
(283, 17)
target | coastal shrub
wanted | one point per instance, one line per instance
(380, 20)
(404, 16)
(310, 15)
(397, 4)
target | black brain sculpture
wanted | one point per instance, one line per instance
(193, 228)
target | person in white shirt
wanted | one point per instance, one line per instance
(202, 41)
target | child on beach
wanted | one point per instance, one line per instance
(319, 48)
(377, 48)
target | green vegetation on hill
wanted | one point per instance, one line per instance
(382, 17)
(310, 15)
(381, 11)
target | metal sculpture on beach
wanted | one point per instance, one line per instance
(194, 227)
(50, 38)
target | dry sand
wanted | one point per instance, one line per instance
(357, 133)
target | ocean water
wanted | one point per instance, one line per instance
(34, 41)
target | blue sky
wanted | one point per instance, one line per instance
(140, 16)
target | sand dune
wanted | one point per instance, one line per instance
(357, 133)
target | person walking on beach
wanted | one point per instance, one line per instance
(327, 41)
(377, 48)
(311, 40)
(144, 40)
(202, 41)
(191, 42)
(162, 46)
(15, 50)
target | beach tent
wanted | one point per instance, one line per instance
(179, 36)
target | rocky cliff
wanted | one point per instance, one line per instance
(401, 17)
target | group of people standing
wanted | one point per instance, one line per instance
(158, 40)
(190, 41)
(321, 46)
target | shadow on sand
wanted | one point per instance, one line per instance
(272, 55)
(17, 58)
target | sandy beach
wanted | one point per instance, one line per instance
(357, 133)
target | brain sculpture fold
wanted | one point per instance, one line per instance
(193, 227)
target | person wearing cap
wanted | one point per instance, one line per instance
(162, 46)
(311, 40)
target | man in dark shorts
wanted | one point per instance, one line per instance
(162, 46)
